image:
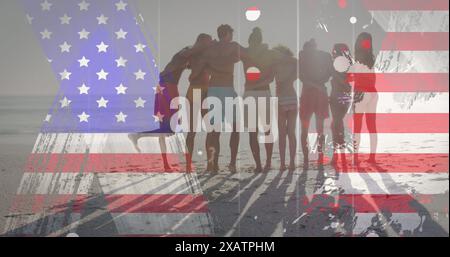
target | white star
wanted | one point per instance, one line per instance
(158, 89)
(140, 102)
(65, 102)
(102, 75)
(102, 19)
(121, 6)
(65, 75)
(121, 117)
(140, 47)
(158, 117)
(121, 34)
(48, 118)
(121, 89)
(84, 89)
(84, 34)
(140, 75)
(121, 62)
(102, 102)
(46, 34)
(46, 6)
(84, 5)
(65, 19)
(84, 62)
(102, 47)
(84, 117)
(30, 19)
(65, 47)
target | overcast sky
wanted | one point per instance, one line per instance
(174, 24)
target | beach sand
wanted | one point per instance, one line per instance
(243, 203)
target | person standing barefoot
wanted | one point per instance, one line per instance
(315, 69)
(259, 56)
(285, 76)
(365, 105)
(198, 80)
(219, 60)
(340, 98)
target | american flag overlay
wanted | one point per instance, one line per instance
(105, 70)
(85, 176)
(410, 182)
(108, 79)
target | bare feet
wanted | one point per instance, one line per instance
(258, 169)
(167, 167)
(306, 164)
(283, 167)
(267, 167)
(214, 169)
(232, 167)
(134, 139)
(292, 167)
(188, 162)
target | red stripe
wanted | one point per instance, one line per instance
(182, 203)
(102, 163)
(251, 76)
(415, 41)
(253, 8)
(408, 163)
(48, 203)
(156, 203)
(406, 82)
(391, 5)
(401, 122)
(365, 203)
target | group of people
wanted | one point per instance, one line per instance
(212, 66)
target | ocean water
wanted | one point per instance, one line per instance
(21, 119)
(23, 114)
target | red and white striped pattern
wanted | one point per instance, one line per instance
(412, 140)
(142, 200)
(57, 193)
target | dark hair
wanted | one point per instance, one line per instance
(255, 37)
(284, 50)
(364, 50)
(223, 30)
(342, 49)
(310, 44)
(202, 40)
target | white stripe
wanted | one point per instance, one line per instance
(411, 102)
(407, 143)
(55, 183)
(163, 223)
(412, 21)
(105, 143)
(388, 183)
(111, 183)
(402, 143)
(149, 183)
(387, 142)
(412, 62)
(126, 224)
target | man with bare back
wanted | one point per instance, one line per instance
(219, 60)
